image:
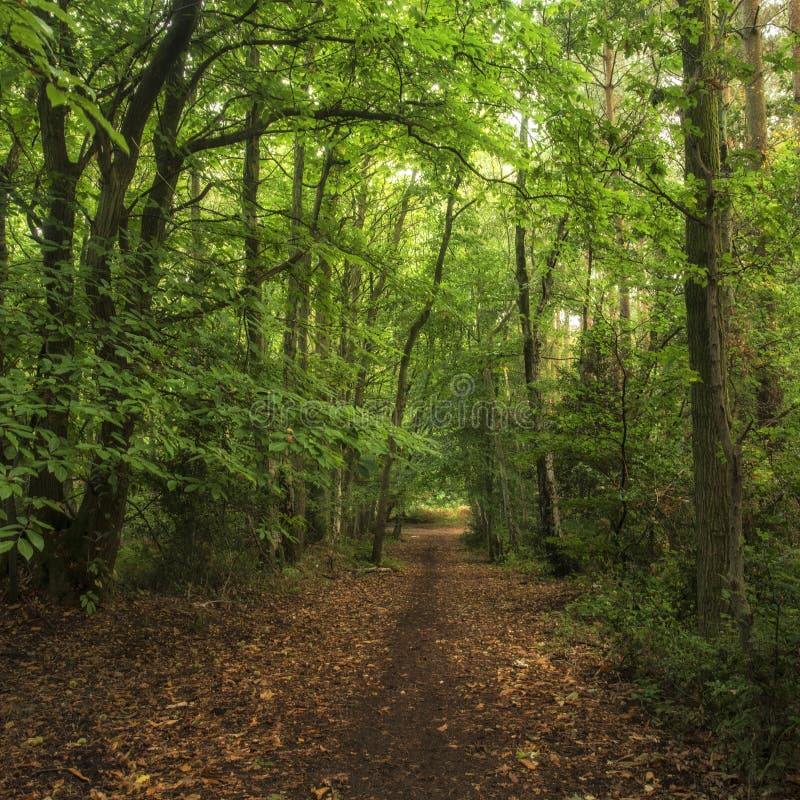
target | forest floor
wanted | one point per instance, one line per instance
(442, 679)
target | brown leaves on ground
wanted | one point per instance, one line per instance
(437, 681)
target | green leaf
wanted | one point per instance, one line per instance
(96, 115)
(56, 96)
(36, 539)
(25, 549)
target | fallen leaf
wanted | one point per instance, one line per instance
(323, 791)
(442, 728)
(529, 763)
(78, 774)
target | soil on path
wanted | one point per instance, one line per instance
(441, 680)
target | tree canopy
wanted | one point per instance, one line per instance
(275, 273)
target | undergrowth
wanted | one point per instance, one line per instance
(357, 554)
(751, 703)
(526, 559)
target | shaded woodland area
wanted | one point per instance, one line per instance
(274, 275)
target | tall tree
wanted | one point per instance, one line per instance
(794, 26)
(532, 345)
(254, 324)
(401, 392)
(717, 454)
(755, 96)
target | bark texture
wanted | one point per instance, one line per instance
(716, 455)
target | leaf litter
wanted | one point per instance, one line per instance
(439, 680)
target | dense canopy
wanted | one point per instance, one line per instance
(274, 273)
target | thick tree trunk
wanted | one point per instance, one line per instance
(710, 480)
(84, 554)
(58, 281)
(717, 457)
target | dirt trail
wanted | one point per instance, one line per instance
(441, 680)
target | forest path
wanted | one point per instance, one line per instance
(440, 680)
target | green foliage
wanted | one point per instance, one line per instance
(751, 703)
(89, 602)
(212, 254)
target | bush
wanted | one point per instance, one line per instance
(752, 703)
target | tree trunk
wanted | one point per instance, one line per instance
(353, 290)
(716, 456)
(84, 554)
(9, 560)
(6, 184)
(755, 98)
(295, 342)
(320, 511)
(254, 324)
(58, 280)
(500, 458)
(532, 345)
(769, 393)
(623, 289)
(346, 515)
(401, 394)
(794, 25)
